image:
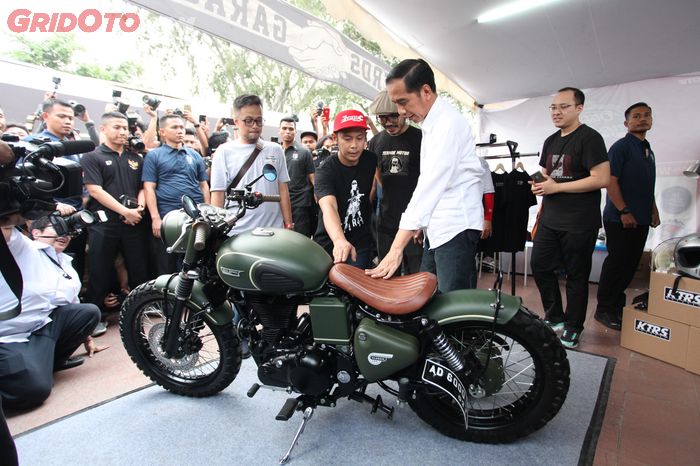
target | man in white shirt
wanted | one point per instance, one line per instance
(50, 327)
(231, 156)
(446, 203)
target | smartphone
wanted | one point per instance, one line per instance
(227, 121)
(538, 177)
(187, 108)
(202, 118)
(116, 94)
(326, 113)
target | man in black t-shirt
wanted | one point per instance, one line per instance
(343, 186)
(398, 157)
(576, 162)
(300, 167)
(111, 174)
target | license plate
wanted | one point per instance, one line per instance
(445, 379)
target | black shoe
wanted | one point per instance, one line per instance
(613, 322)
(69, 363)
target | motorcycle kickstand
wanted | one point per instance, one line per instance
(308, 412)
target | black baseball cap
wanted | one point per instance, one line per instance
(308, 133)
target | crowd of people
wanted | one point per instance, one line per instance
(409, 199)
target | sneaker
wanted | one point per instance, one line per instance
(100, 329)
(611, 321)
(556, 326)
(570, 338)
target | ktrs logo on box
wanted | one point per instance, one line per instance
(23, 20)
(682, 297)
(663, 333)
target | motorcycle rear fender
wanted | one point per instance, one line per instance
(219, 315)
(470, 305)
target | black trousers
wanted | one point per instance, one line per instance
(26, 369)
(305, 219)
(76, 248)
(105, 241)
(625, 248)
(165, 263)
(570, 251)
(412, 255)
(7, 444)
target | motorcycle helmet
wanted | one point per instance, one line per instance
(662, 257)
(687, 256)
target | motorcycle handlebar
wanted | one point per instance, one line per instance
(200, 235)
(271, 198)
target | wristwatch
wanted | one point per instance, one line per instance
(624, 210)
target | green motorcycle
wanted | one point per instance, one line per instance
(474, 364)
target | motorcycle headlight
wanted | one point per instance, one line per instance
(171, 228)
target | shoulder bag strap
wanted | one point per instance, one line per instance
(245, 167)
(13, 276)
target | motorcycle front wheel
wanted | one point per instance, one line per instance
(211, 355)
(522, 388)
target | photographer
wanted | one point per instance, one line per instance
(58, 116)
(51, 326)
(112, 175)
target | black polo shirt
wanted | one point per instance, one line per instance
(117, 174)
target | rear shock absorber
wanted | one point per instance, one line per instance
(446, 350)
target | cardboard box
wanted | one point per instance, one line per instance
(655, 336)
(692, 363)
(683, 306)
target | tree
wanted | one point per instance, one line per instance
(55, 52)
(125, 72)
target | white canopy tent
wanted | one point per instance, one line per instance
(618, 51)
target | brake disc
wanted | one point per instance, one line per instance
(186, 363)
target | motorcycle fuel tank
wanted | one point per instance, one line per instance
(273, 261)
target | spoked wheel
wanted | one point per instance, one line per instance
(522, 388)
(211, 354)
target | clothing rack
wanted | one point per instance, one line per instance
(512, 148)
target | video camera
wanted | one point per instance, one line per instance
(73, 224)
(34, 173)
(134, 143)
(151, 101)
(122, 105)
(324, 152)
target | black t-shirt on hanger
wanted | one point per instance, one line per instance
(518, 199)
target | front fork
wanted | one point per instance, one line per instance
(172, 346)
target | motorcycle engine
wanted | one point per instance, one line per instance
(306, 370)
(290, 360)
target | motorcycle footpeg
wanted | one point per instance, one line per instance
(253, 390)
(287, 410)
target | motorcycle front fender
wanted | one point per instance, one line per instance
(470, 305)
(219, 315)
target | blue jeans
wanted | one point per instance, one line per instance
(454, 262)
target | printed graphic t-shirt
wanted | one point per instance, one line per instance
(571, 158)
(351, 187)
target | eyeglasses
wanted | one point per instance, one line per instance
(561, 107)
(249, 122)
(390, 116)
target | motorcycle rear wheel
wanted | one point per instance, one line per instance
(533, 390)
(212, 358)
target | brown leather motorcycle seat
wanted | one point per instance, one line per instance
(397, 295)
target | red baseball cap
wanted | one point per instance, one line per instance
(349, 119)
